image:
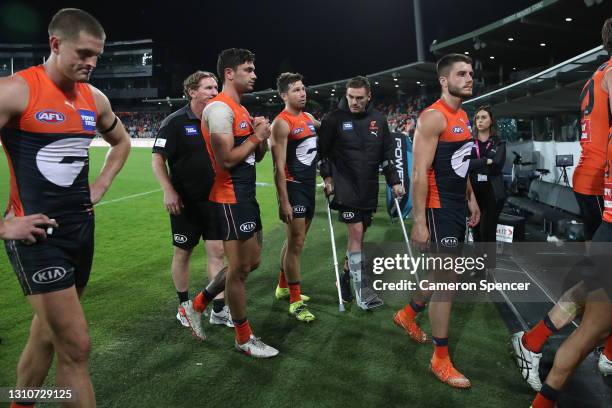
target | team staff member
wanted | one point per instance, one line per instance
(354, 141)
(294, 151)
(488, 158)
(442, 149)
(186, 189)
(49, 115)
(588, 184)
(234, 143)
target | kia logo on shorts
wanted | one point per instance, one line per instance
(449, 242)
(49, 275)
(248, 226)
(180, 239)
(299, 209)
(50, 116)
(348, 215)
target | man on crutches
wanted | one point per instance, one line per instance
(354, 140)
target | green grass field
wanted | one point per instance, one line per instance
(142, 357)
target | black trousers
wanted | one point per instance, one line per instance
(486, 230)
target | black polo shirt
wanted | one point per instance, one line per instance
(180, 140)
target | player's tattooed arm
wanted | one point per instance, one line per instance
(114, 133)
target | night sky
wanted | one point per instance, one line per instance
(325, 40)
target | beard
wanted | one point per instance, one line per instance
(459, 92)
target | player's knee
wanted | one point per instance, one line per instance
(182, 255)
(297, 242)
(255, 265)
(215, 250)
(75, 348)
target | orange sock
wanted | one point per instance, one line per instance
(535, 338)
(282, 281)
(200, 302)
(541, 401)
(413, 308)
(608, 349)
(294, 292)
(243, 331)
(441, 352)
(16, 405)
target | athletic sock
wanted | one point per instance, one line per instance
(546, 397)
(202, 300)
(282, 280)
(183, 296)
(608, 348)
(294, 292)
(440, 347)
(243, 330)
(218, 305)
(535, 338)
(413, 308)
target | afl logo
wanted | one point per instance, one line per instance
(243, 125)
(180, 239)
(248, 226)
(457, 129)
(297, 131)
(449, 242)
(348, 215)
(49, 116)
(49, 275)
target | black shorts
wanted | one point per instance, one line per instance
(194, 221)
(62, 260)
(349, 215)
(600, 277)
(302, 199)
(591, 210)
(447, 228)
(239, 221)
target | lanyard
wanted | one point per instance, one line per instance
(476, 145)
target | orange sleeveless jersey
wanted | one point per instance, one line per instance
(595, 121)
(47, 148)
(300, 165)
(448, 174)
(607, 193)
(237, 184)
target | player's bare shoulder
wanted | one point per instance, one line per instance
(14, 97)
(102, 102)
(431, 123)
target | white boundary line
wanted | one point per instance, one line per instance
(127, 197)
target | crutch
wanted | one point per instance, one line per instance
(401, 218)
(335, 255)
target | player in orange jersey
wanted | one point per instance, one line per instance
(442, 147)
(294, 150)
(235, 141)
(49, 115)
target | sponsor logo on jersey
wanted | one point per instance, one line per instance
(585, 130)
(248, 226)
(50, 116)
(348, 215)
(160, 142)
(243, 125)
(88, 119)
(180, 239)
(311, 127)
(299, 209)
(191, 130)
(297, 131)
(449, 242)
(457, 129)
(49, 275)
(306, 151)
(460, 161)
(347, 126)
(62, 161)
